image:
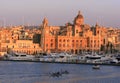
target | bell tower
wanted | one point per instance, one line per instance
(45, 29)
(45, 22)
(44, 33)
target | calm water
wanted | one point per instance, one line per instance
(36, 72)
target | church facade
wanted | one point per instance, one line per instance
(74, 38)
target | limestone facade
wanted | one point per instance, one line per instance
(75, 37)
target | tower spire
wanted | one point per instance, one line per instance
(45, 22)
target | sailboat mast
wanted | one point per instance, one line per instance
(93, 46)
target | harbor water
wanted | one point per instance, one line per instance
(37, 72)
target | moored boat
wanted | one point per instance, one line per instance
(19, 56)
(118, 57)
(93, 56)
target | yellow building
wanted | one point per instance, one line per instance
(22, 46)
(18, 40)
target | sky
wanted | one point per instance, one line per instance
(59, 12)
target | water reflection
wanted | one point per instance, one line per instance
(36, 72)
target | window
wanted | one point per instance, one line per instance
(72, 45)
(68, 40)
(80, 45)
(64, 40)
(72, 40)
(77, 45)
(76, 31)
(98, 32)
(59, 45)
(91, 45)
(46, 45)
(76, 40)
(67, 45)
(60, 40)
(91, 41)
(94, 41)
(95, 45)
(63, 45)
(51, 40)
(51, 44)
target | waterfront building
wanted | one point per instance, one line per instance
(113, 39)
(76, 37)
(22, 46)
(18, 40)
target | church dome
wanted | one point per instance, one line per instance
(79, 19)
(79, 16)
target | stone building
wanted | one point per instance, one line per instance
(19, 40)
(74, 38)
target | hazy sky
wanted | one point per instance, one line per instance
(59, 12)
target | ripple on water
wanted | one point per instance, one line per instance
(31, 72)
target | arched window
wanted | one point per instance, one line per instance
(59, 45)
(63, 45)
(51, 45)
(64, 40)
(60, 40)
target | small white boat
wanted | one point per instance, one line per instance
(63, 57)
(20, 56)
(96, 67)
(93, 56)
(114, 61)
